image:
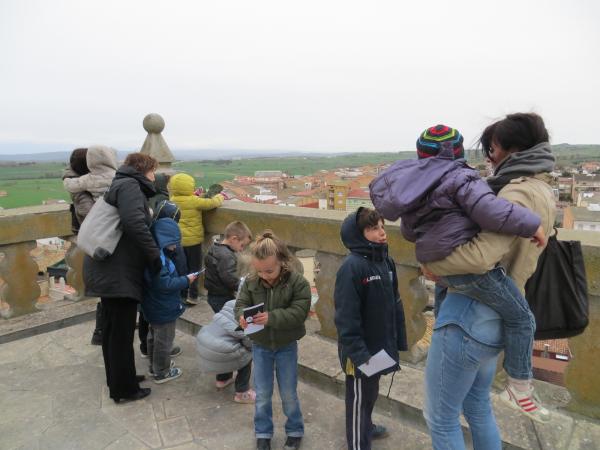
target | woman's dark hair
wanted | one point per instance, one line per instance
(368, 218)
(141, 162)
(516, 132)
(77, 161)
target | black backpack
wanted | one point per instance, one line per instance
(557, 291)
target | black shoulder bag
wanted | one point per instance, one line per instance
(557, 291)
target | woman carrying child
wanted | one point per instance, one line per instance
(89, 174)
(286, 298)
(518, 149)
(119, 279)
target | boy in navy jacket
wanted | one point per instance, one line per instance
(162, 305)
(369, 317)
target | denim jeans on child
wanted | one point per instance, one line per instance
(458, 378)
(497, 290)
(284, 363)
(160, 343)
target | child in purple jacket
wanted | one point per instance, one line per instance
(443, 203)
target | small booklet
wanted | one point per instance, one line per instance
(378, 362)
(249, 313)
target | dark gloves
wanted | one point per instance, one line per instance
(213, 190)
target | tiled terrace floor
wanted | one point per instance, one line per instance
(53, 396)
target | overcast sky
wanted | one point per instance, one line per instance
(304, 75)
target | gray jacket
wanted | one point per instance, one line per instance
(222, 346)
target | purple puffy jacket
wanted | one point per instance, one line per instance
(444, 203)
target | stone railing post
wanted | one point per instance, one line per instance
(74, 260)
(20, 229)
(155, 145)
(19, 272)
(582, 377)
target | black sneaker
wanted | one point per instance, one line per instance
(379, 432)
(263, 444)
(174, 372)
(292, 443)
(176, 351)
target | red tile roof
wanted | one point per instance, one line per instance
(358, 193)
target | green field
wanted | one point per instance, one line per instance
(209, 172)
(31, 192)
(30, 184)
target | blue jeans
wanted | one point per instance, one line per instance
(498, 291)
(458, 377)
(284, 363)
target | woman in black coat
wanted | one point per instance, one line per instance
(118, 280)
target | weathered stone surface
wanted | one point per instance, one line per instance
(554, 435)
(586, 436)
(34, 222)
(189, 446)
(137, 418)
(127, 442)
(155, 144)
(327, 265)
(19, 272)
(414, 299)
(582, 377)
(175, 431)
(89, 430)
(320, 354)
(28, 325)
(25, 415)
(74, 259)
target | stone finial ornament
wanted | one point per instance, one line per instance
(155, 145)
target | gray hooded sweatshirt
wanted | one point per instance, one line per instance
(102, 163)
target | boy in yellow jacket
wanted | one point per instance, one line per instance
(181, 189)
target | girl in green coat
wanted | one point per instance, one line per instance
(286, 297)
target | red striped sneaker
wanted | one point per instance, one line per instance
(526, 402)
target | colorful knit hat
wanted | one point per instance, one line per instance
(430, 141)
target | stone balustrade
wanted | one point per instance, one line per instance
(301, 228)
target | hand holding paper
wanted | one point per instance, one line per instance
(378, 362)
(249, 314)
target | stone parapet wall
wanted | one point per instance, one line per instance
(302, 228)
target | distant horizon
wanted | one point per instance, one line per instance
(22, 148)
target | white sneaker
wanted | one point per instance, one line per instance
(526, 402)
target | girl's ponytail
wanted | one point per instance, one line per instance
(268, 244)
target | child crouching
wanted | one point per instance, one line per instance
(224, 348)
(162, 305)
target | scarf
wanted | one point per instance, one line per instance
(526, 163)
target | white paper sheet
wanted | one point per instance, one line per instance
(253, 328)
(378, 362)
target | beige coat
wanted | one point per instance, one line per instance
(517, 255)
